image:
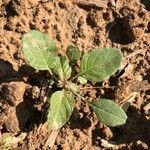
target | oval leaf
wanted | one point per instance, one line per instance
(61, 68)
(60, 110)
(108, 112)
(81, 80)
(39, 50)
(73, 53)
(100, 64)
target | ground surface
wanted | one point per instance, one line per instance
(122, 24)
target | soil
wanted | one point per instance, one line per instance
(87, 24)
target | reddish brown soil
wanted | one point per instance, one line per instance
(87, 24)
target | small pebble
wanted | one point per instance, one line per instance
(107, 133)
(146, 108)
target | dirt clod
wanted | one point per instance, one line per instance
(13, 91)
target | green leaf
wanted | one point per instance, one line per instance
(100, 64)
(62, 68)
(81, 80)
(61, 108)
(73, 53)
(74, 87)
(39, 50)
(108, 112)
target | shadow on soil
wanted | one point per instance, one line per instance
(33, 78)
(78, 122)
(88, 7)
(119, 31)
(10, 11)
(146, 3)
(27, 115)
(26, 112)
(7, 73)
(136, 128)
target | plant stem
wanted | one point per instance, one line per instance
(89, 88)
(76, 76)
(53, 75)
(75, 93)
(82, 98)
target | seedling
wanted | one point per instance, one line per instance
(95, 66)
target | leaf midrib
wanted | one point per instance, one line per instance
(42, 53)
(57, 110)
(91, 68)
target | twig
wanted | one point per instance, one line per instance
(89, 88)
(113, 3)
(128, 101)
(93, 3)
(51, 139)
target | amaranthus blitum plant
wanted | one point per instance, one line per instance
(96, 66)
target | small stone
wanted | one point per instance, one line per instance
(107, 133)
(142, 145)
(33, 92)
(33, 2)
(146, 108)
(14, 91)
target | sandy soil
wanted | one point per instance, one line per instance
(87, 24)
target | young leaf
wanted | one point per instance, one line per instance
(73, 53)
(100, 64)
(62, 68)
(39, 50)
(108, 112)
(74, 87)
(60, 110)
(81, 80)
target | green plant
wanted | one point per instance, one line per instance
(97, 65)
